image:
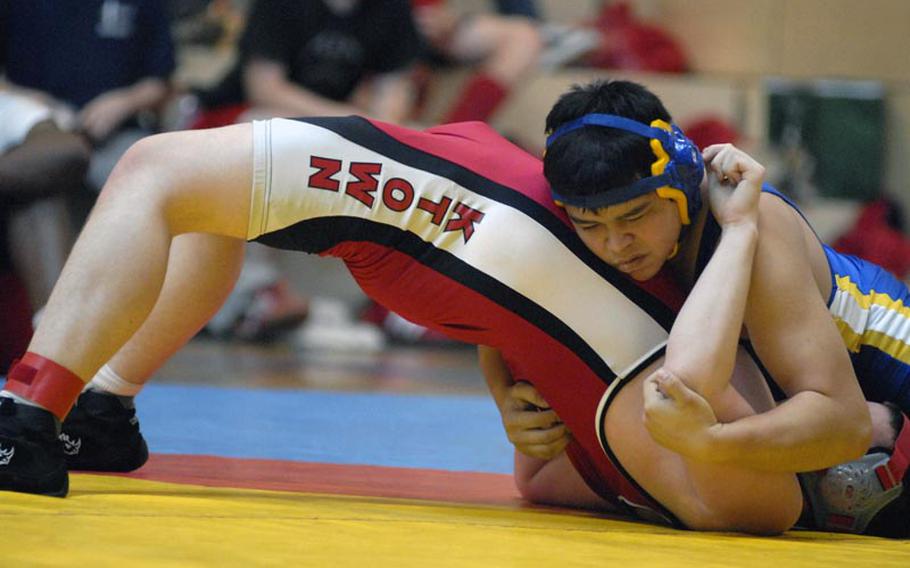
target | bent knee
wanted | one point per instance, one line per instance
(138, 160)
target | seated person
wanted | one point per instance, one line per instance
(504, 46)
(306, 58)
(318, 58)
(105, 67)
(37, 161)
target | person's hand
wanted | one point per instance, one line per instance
(533, 428)
(677, 417)
(105, 113)
(734, 184)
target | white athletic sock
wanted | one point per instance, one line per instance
(107, 380)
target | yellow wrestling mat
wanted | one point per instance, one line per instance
(118, 521)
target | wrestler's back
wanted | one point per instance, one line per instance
(454, 229)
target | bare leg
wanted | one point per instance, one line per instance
(40, 239)
(703, 495)
(201, 271)
(555, 482)
(164, 186)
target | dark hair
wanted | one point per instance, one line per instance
(594, 158)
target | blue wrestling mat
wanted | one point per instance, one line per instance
(457, 433)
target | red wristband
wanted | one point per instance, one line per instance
(44, 382)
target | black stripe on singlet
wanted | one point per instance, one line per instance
(321, 234)
(602, 433)
(362, 132)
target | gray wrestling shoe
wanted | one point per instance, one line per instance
(31, 457)
(101, 433)
(870, 495)
(853, 498)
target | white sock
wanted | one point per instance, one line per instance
(107, 380)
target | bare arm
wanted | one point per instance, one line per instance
(267, 86)
(495, 373)
(555, 482)
(547, 477)
(702, 346)
(103, 114)
(825, 420)
(392, 96)
(702, 494)
(499, 380)
(701, 350)
(531, 425)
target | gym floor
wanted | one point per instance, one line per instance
(266, 456)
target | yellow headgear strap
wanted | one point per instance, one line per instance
(658, 167)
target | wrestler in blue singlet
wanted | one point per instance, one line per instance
(871, 308)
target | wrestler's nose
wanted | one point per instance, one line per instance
(618, 240)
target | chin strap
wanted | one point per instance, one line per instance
(683, 233)
(865, 495)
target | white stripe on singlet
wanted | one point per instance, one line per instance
(619, 331)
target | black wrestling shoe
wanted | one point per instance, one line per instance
(31, 457)
(101, 433)
(893, 521)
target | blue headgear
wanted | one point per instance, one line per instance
(676, 174)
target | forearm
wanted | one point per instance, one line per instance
(555, 482)
(392, 98)
(147, 94)
(526, 469)
(495, 373)
(290, 100)
(702, 346)
(807, 432)
(268, 88)
(825, 419)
